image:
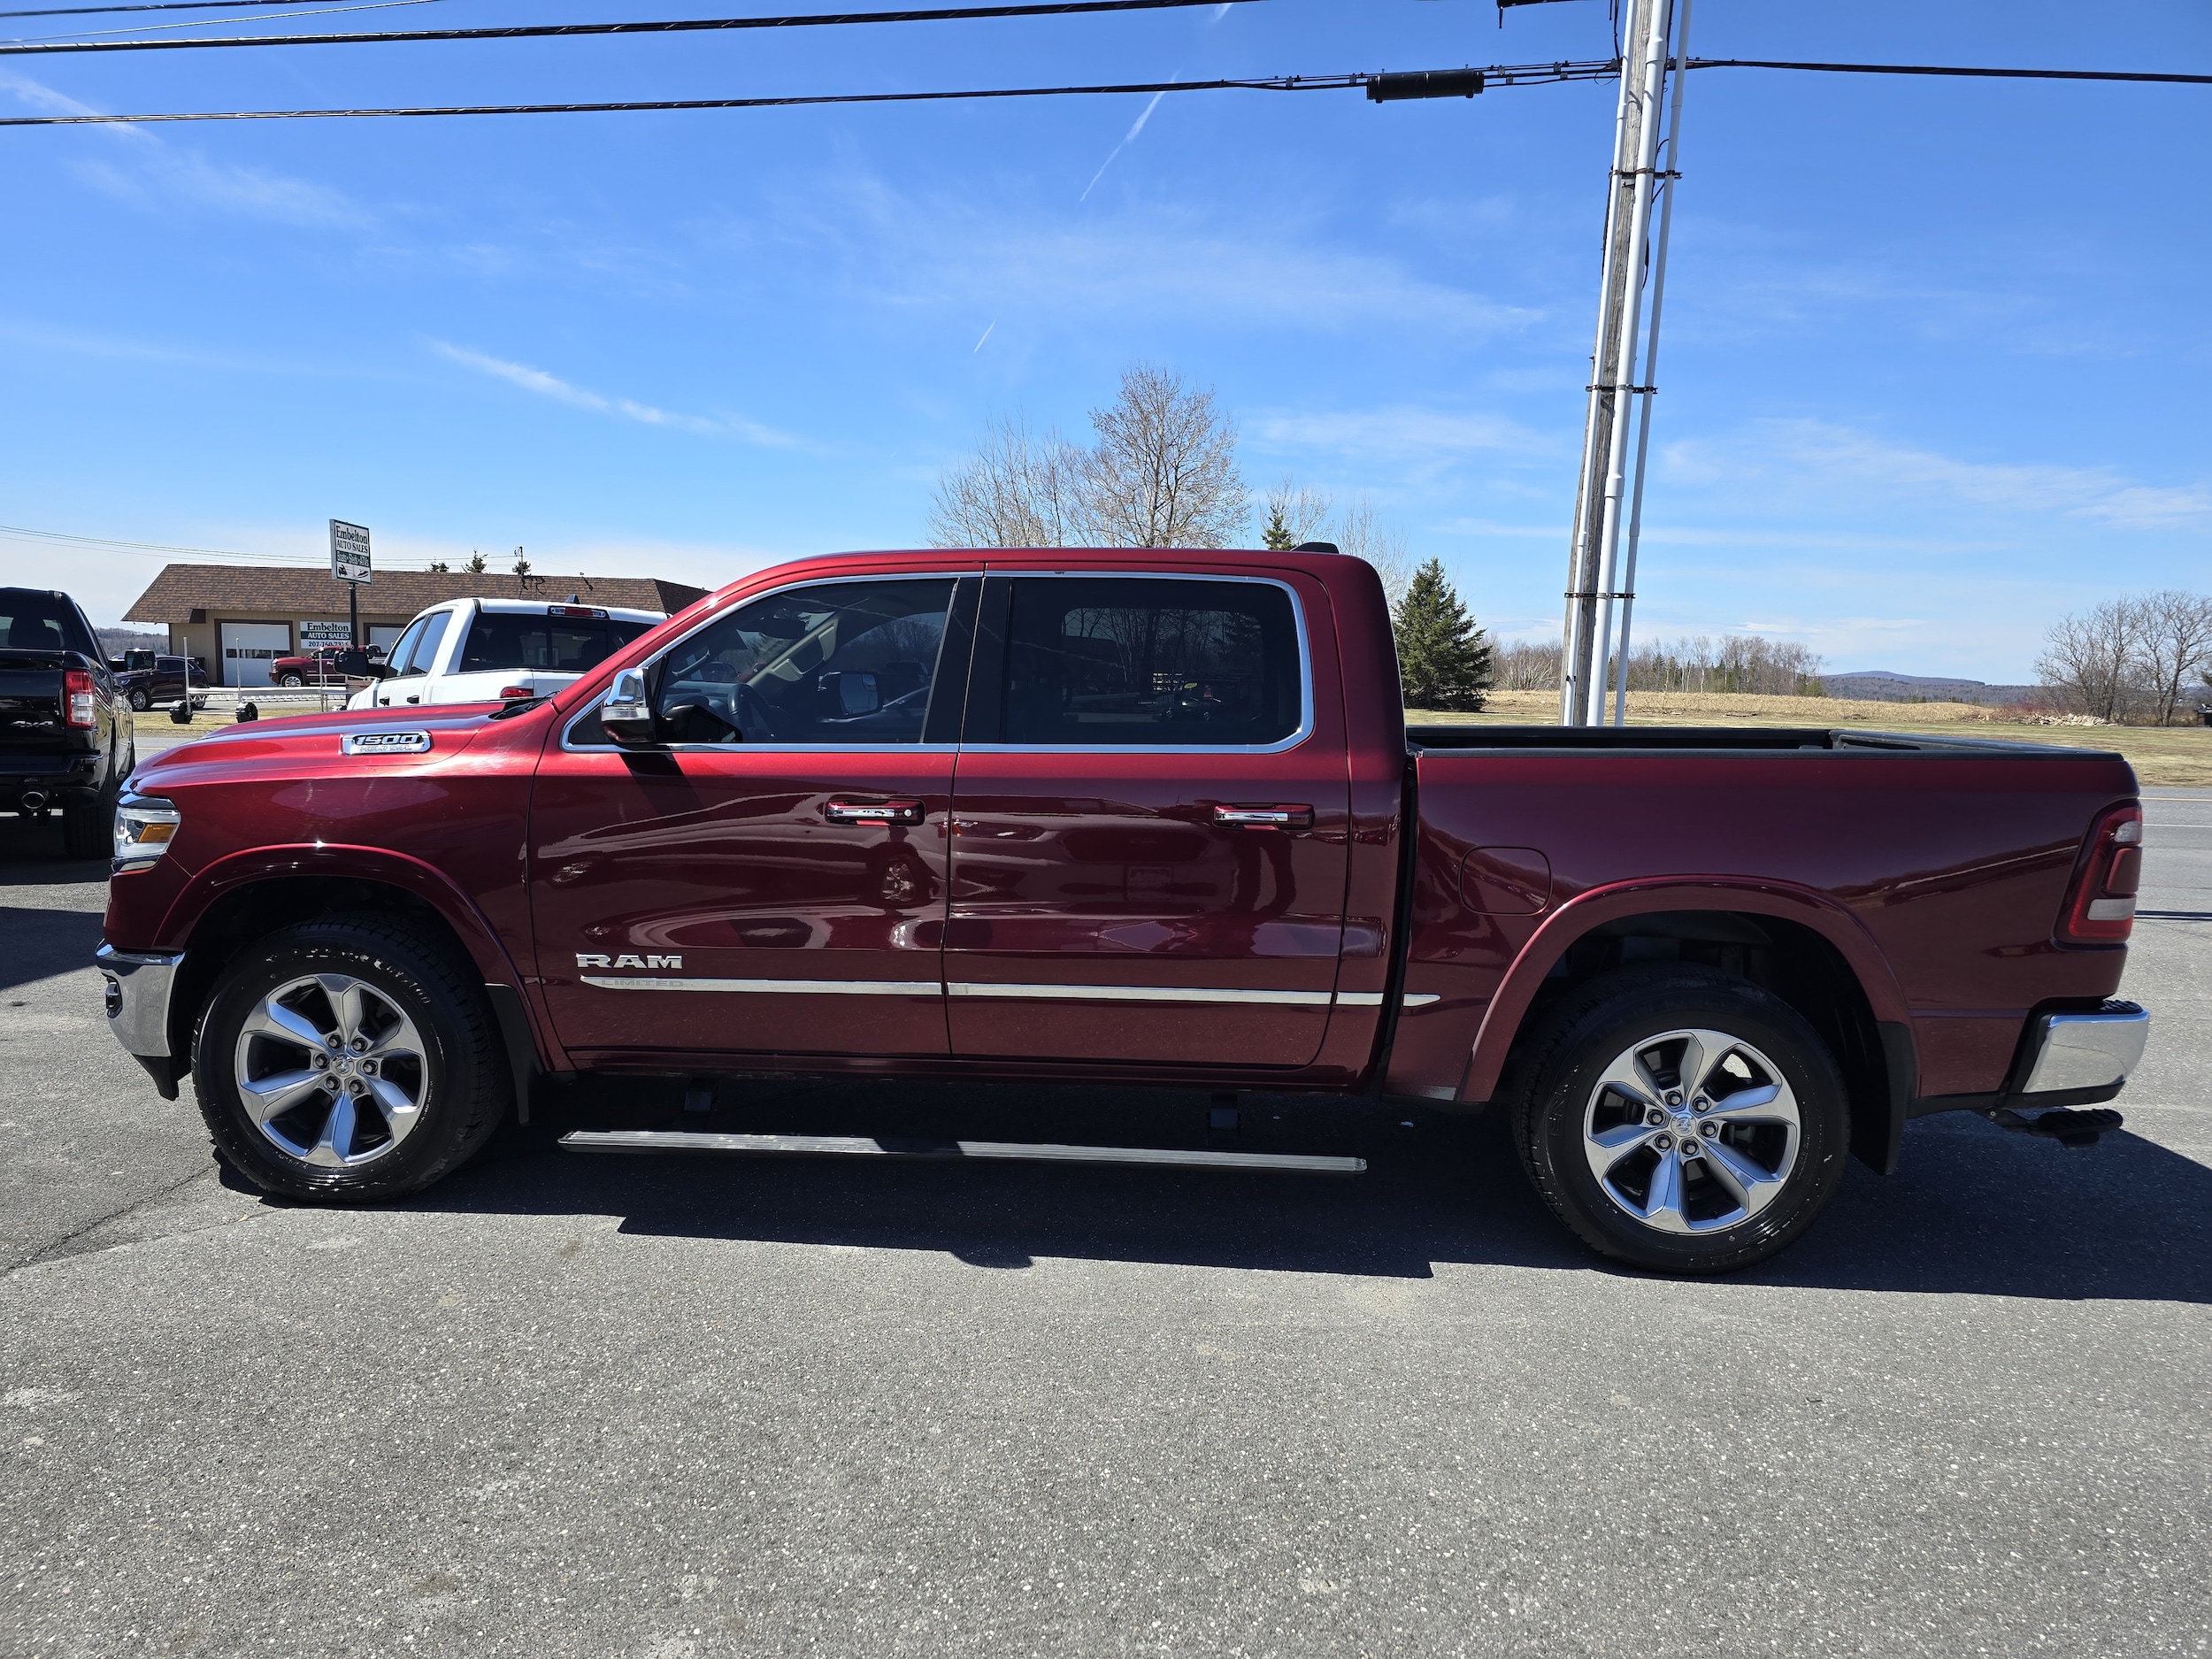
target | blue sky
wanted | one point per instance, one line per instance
(1930, 374)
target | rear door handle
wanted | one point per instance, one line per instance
(873, 813)
(1281, 816)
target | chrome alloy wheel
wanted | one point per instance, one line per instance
(1691, 1130)
(331, 1070)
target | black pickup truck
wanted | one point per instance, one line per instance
(66, 736)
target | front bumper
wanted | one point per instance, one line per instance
(138, 984)
(2075, 1059)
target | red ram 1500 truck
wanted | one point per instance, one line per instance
(1127, 817)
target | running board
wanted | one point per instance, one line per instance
(1009, 1151)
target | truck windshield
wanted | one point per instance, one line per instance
(553, 645)
(32, 621)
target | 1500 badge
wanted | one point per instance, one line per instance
(587, 961)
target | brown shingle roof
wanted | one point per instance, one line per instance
(180, 589)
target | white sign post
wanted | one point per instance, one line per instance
(350, 564)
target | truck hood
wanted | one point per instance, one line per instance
(315, 739)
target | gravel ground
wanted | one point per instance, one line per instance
(572, 1406)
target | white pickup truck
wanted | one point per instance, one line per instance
(487, 650)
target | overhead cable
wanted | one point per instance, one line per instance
(1952, 69)
(669, 26)
(1497, 75)
(161, 5)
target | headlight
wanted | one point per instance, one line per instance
(144, 826)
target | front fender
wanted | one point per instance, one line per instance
(328, 861)
(1502, 1021)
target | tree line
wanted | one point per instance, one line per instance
(2131, 661)
(1702, 663)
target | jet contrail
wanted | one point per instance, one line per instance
(1135, 127)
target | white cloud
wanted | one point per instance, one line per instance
(149, 172)
(544, 385)
(1404, 430)
(1217, 266)
(1794, 453)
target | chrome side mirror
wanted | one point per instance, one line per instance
(624, 713)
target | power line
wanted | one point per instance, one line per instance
(1950, 69)
(674, 26)
(1529, 74)
(165, 5)
(1496, 75)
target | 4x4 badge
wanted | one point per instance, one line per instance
(587, 961)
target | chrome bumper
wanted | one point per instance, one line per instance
(138, 984)
(2084, 1051)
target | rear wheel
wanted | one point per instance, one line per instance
(348, 1061)
(87, 827)
(1682, 1120)
(139, 701)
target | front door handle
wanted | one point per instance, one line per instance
(873, 813)
(1281, 816)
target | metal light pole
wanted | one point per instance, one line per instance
(1594, 558)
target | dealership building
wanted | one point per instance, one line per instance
(236, 619)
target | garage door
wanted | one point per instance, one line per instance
(248, 647)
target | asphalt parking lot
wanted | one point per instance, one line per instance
(572, 1406)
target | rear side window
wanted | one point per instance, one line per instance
(553, 645)
(1148, 662)
(43, 622)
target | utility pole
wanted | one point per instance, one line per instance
(1593, 560)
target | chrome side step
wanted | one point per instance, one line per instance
(1009, 1151)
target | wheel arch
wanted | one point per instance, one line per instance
(1797, 943)
(249, 895)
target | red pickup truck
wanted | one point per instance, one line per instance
(1125, 817)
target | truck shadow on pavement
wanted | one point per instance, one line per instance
(1972, 1211)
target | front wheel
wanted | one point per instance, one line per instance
(293, 679)
(1682, 1120)
(348, 1061)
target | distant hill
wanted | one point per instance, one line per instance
(1884, 685)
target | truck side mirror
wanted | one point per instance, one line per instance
(626, 714)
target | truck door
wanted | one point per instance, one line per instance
(1148, 853)
(773, 879)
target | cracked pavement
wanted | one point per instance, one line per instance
(662, 1408)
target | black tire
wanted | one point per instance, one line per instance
(466, 1091)
(293, 679)
(1558, 1100)
(139, 701)
(87, 827)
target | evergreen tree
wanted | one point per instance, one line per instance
(1277, 537)
(1443, 657)
(476, 564)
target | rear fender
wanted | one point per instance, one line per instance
(1502, 1021)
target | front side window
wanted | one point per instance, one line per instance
(839, 664)
(543, 644)
(1127, 661)
(406, 646)
(414, 656)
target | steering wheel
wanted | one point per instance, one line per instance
(753, 714)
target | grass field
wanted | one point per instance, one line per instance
(2174, 754)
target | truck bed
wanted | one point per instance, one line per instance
(1581, 740)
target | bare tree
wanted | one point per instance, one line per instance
(1527, 665)
(1020, 489)
(1359, 533)
(1295, 514)
(2092, 661)
(2174, 631)
(1164, 470)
